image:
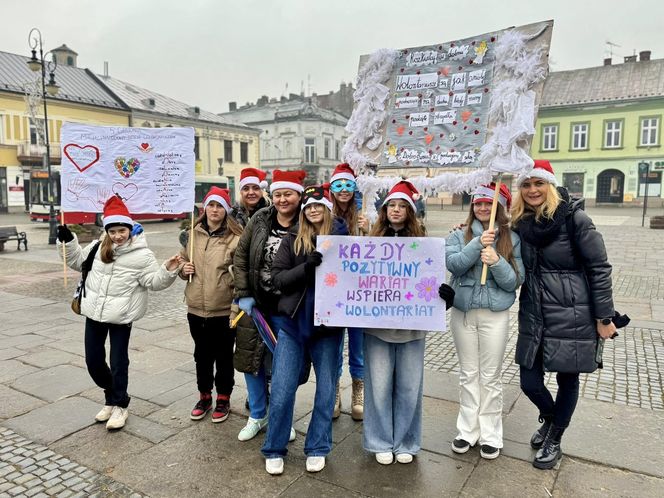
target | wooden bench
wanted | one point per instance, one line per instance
(10, 233)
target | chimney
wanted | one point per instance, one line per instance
(106, 69)
(630, 58)
(644, 55)
(607, 61)
(232, 106)
(262, 101)
(284, 99)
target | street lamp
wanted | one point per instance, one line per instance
(50, 88)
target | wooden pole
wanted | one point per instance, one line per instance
(64, 252)
(494, 208)
(191, 239)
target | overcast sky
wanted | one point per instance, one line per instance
(210, 52)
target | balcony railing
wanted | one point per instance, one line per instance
(29, 151)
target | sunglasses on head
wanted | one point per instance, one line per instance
(338, 185)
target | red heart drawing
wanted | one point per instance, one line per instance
(80, 157)
(465, 115)
(400, 130)
(145, 146)
(125, 190)
(428, 139)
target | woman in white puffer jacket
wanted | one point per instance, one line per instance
(115, 295)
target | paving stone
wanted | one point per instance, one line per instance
(309, 486)
(154, 360)
(150, 386)
(45, 357)
(13, 369)
(54, 383)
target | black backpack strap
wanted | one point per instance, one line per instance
(87, 265)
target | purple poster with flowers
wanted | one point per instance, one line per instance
(380, 282)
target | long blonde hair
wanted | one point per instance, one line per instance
(544, 210)
(412, 225)
(504, 245)
(304, 242)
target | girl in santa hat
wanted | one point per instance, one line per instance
(479, 320)
(252, 266)
(345, 205)
(293, 275)
(252, 198)
(115, 295)
(394, 359)
(209, 296)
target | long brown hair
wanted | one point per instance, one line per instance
(412, 225)
(231, 223)
(304, 242)
(106, 248)
(349, 214)
(504, 245)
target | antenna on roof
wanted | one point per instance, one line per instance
(285, 92)
(609, 48)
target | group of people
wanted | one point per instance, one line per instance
(258, 259)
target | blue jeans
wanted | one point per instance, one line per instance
(355, 353)
(393, 381)
(287, 365)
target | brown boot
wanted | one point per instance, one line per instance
(357, 405)
(337, 404)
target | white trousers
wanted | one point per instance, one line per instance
(480, 337)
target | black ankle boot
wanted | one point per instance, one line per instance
(540, 434)
(550, 452)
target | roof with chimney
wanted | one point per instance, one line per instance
(76, 84)
(294, 109)
(630, 81)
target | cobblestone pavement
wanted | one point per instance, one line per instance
(632, 375)
(29, 469)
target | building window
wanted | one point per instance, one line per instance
(287, 149)
(337, 144)
(612, 134)
(550, 137)
(580, 136)
(326, 148)
(228, 151)
(244, 152)
(649, 131)
(197, 148)
(34, 137)
(70, 60)
(309, 150)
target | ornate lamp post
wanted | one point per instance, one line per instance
(50, 88)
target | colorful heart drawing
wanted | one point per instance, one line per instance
(428, 139)
(400, 130)
(127, 167)
(81, 156)
(465, 115)
(125, 190)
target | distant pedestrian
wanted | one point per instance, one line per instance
(115, 296)
(252, 265)
(293, 274)
(479, 320)
(394, 359)
(209, 296)
(566, 302)
(345, 202)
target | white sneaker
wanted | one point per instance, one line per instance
(252, 428)
(291, 438)
(385, 458)
(274, 466)
(315, 463)
(104, 414)
(118, 418)
(404, 457)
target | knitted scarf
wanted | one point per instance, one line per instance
(541, 233)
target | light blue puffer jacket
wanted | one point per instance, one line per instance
(463, 261)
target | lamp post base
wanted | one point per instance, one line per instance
(52, 226)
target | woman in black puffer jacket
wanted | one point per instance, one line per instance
(565, 305)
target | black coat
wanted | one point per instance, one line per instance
(567, 287)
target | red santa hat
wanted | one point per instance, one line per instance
(220, 195)
(116, 213)
(403, 190)
(542, 170)
(253, 176)
(293, 180)
(343, 171)
(317, 194)
(485, 193)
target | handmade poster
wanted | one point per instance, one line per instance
(380, 282)
(151, 169)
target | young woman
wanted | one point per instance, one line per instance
(253, 287)
(115, 295)
(252, 198)
(209, 296)
(343, 188)
(566, 302)
(394, 359)
(293, 274)
(480, 317)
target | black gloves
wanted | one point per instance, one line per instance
(64, 234)
(447, 293)
(313, 260)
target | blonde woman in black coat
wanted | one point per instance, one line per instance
(566, 302)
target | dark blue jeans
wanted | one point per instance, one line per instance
(562, 409)
(355, 353)
(112, 380)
